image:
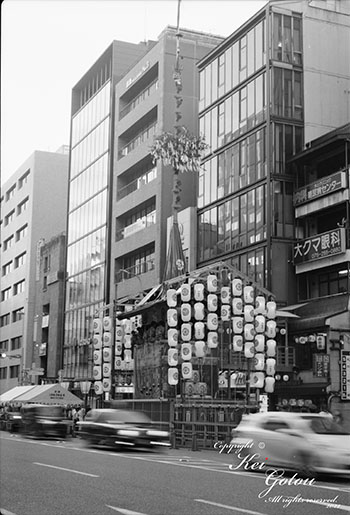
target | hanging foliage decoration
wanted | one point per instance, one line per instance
(181, 150)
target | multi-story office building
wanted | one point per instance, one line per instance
(119, 201)
(275, 83)
(33, 209)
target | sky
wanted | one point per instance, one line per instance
(47, 45)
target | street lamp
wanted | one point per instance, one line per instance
(85, 389)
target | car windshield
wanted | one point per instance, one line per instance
(123, 416)
(325, 426)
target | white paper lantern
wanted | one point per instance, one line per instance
(259, 361)
(199, 349)
(237, 306)
(97, 325)
(271, 348)
(259, 343)
(98, 388)
(212, 339)
(127, 356)
(173, 357)
(271, 329)
(186, 370)
(249, 313)
(199, 311)
(97, 341)
(201, 389)
(172, 337)
(127, 326)
(249, 332)
(173, 376)
(237, 325)
(225, 312)
(195, 376)
(107, 339)
(212, 321)
(212, 283)
(248, 294)
(107, 354)
(106, 369)
(185, 292)
(237, 343)
(171, 298)
(106, 384)
(212, 302)
(118, 349)
(186, 312)
(198, 292)
(199, 330)
(172, 317)
(189, 388)
(97, 372)
(249, 349)
(97, 355)
(260, 323)
(257, 379)
(237, 287)
(127, 341)
(260, 305)
(271, 309)
(186, 332)
(270, 366)
(269, 384)
(119, 333)
(118, 363)
(225, 295)
(107, 323)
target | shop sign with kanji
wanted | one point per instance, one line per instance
(320, 246)
(345, 375)
(321, 365)
(324, 186)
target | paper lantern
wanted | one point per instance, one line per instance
(237, 306)
(172, 317)
(237, 287)
(173, 357)
(107, 354)
(186, 351)
(106, 370)
(195, 376)
(107, 323)
(271, 309)
(97, 373)
(106, 384)
(259, 361)
(225, 295)
(249, 349)
(107, 339)
(212, 283)
(201, 389)
(237, 343)
(225, 312)
(118, 322)
(248, 294)
(119, 333)
(199, 349)
(249, 332)
(198, 292)
(320, 341)
(212, 339)
(97, 356)
(259, 343)
(212, 302)
(97, 341)
(186, 332)
(127, 356)
(97, 325)
(212, 321)
(199, 330)
(248, 313)
(189, 388)
(271, 329)
(199, 311)
(270, 366)
(271, 348)
(260, 323)
(260, 305)
(118, 363)
(186, 370)
(173, 376)
(118, 349)
(237, 325)
(257, 379)
(127, 341)
(185, 292)
(171, 298)
(98, 388)
(186, 312)
(172, 337)
(269, 384)
(127, 326)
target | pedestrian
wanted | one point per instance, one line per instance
(338, 417)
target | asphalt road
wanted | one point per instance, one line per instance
(49, 477)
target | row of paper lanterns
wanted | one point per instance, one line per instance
(102, 354)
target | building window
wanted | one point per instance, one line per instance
(22, 206)
(19, 287)
(138, 220)
(285, 357)
(287, 93)
(8, 243)
(45, 282)
(17, 315)
(14, 371)
(288, 140)
(23, 180)
(5, 294)
(4, 345)
(46, 263)
(9, 217)
(6, 269)
(3, 373)
(21, 233)
(20, 260)
(4, 320)
(287, 44)
(16, 343)
(10, 193)
(137, 264)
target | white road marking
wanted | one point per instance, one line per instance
(67, 470)
(125, 512)
(232, 508)
(329, 504)
(5, 512)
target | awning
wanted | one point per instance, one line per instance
(318, 313)
(49, 394)
(11, 395)
(303, 390)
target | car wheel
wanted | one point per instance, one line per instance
(304, 465)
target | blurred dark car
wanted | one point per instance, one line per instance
(44, 420)
(13, 422)
(121, 428)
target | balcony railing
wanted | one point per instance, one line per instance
(135, 270)
(144, 135)
(137, 226)
(137, 183)
(139, 98)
